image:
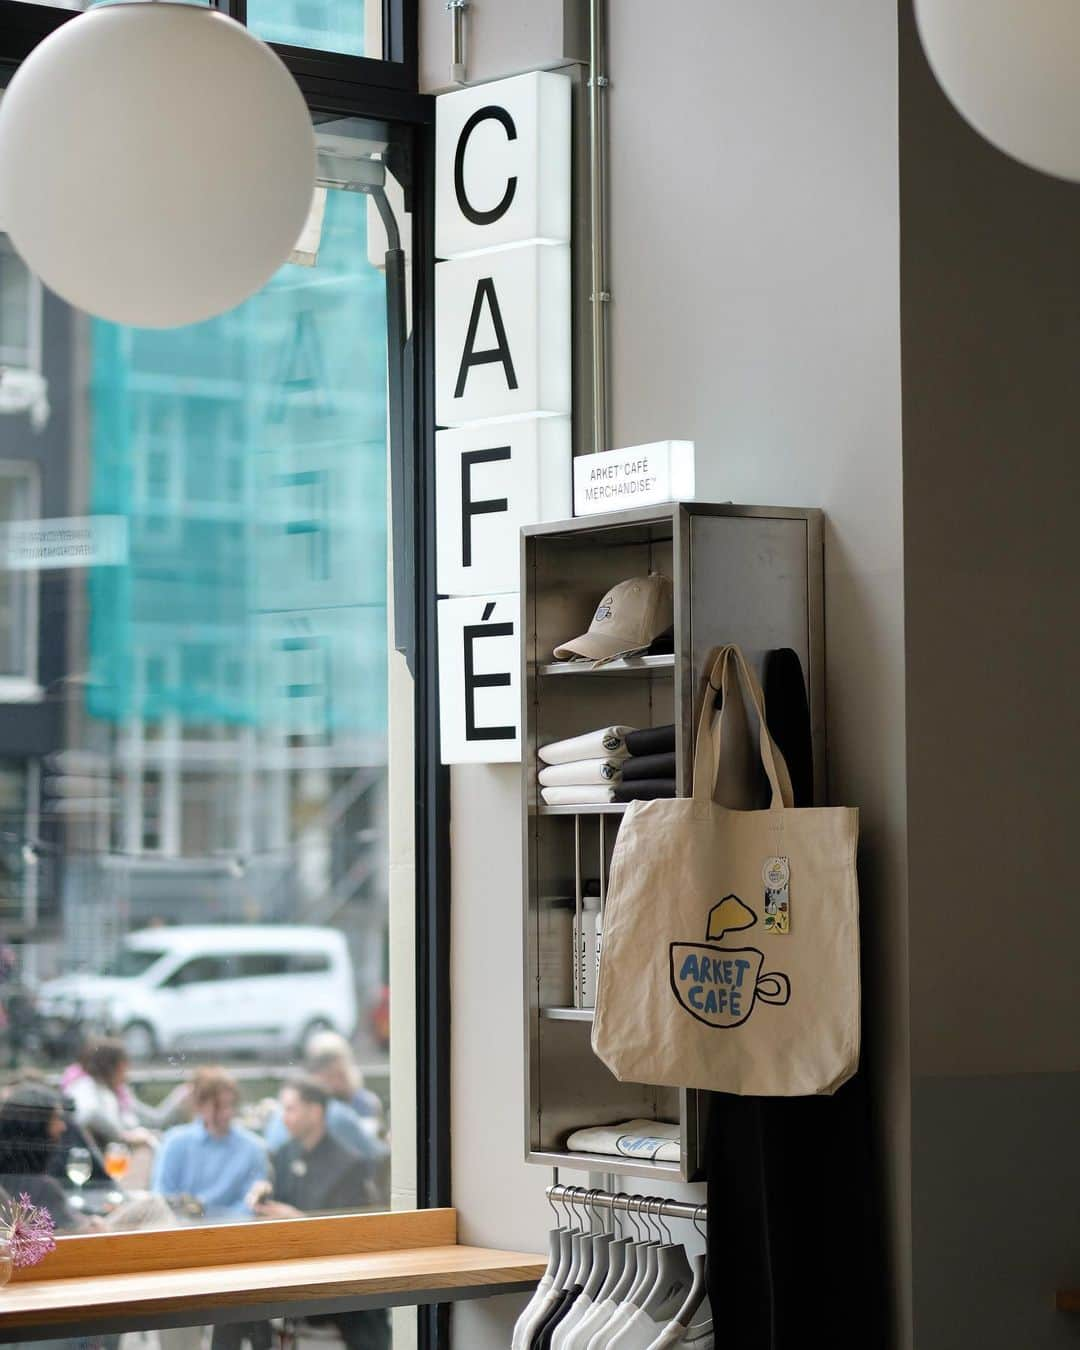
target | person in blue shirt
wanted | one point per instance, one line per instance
(213, 1160)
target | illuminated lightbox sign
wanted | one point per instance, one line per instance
(492, 479)
(642, 475)
(506, 352)
(502, 173)
(502, 385)
(479, 679)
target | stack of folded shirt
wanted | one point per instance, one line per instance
(648, 771)
(648, 1140)
(583, 769)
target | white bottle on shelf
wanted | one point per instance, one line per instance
(585, 950)
(556, 951)
(599, 946)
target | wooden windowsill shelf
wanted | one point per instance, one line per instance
(252, 1271)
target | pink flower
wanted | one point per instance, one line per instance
(30, 1231)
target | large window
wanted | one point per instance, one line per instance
(195, 938)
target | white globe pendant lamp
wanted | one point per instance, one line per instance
(1012, 69)
(157, 162)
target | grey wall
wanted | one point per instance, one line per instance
(755, 246)
(756, 311)
(502, 37)
(991, 331)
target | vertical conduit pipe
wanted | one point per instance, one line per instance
(598, 84)
(457, 10)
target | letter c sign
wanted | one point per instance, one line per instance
(502, 156)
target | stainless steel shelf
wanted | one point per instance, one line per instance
(567, 1014)
(606, 1162)
(750, 575)
(582, 809)
(627, 665)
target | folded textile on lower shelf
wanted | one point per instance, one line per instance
(587, 772)
(581, 795)
(650, 1140)
(644, 790)
(648, 766)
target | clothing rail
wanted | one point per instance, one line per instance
(648, 1206)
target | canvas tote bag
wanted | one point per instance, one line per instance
(730, 957)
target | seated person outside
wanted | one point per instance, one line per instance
(313, 1172)
(213, 1160)
(31, 1128)
(329, 1062)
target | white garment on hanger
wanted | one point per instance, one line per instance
(520, 1340)
(580, 1336)
(609, 742)
(599, 1315)
(608, 1330)
(579, 1309)
(698, 1337)
(638, 1333)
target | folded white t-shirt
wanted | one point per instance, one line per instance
(607, 742)
(652, 1140)
(577, 796)
(588, 771)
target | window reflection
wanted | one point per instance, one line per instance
(193, 769)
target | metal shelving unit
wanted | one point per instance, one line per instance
(751, 575)
(585, 809)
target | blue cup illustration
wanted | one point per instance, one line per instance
(720, 985)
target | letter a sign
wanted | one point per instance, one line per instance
(502, 385)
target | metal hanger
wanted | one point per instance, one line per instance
(674, 1278)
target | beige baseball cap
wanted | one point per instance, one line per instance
(627, 619)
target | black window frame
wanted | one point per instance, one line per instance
(387, 91)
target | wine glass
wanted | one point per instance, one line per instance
(79, 1169)
(117, 1160)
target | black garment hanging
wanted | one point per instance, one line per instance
(794, 1176)
(789, 719)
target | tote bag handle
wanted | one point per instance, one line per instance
(709, 744)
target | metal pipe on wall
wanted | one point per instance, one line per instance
(600, 297)
(457, 10)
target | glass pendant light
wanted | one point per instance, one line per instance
(1012, 69)
(157, 162)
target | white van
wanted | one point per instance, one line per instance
(218, 988)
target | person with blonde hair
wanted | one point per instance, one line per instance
(329, 1058)
(353, 1113)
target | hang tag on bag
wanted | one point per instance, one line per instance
(776, 874)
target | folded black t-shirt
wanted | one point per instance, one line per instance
(645, 790)
(648, 766)
(652, 740)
